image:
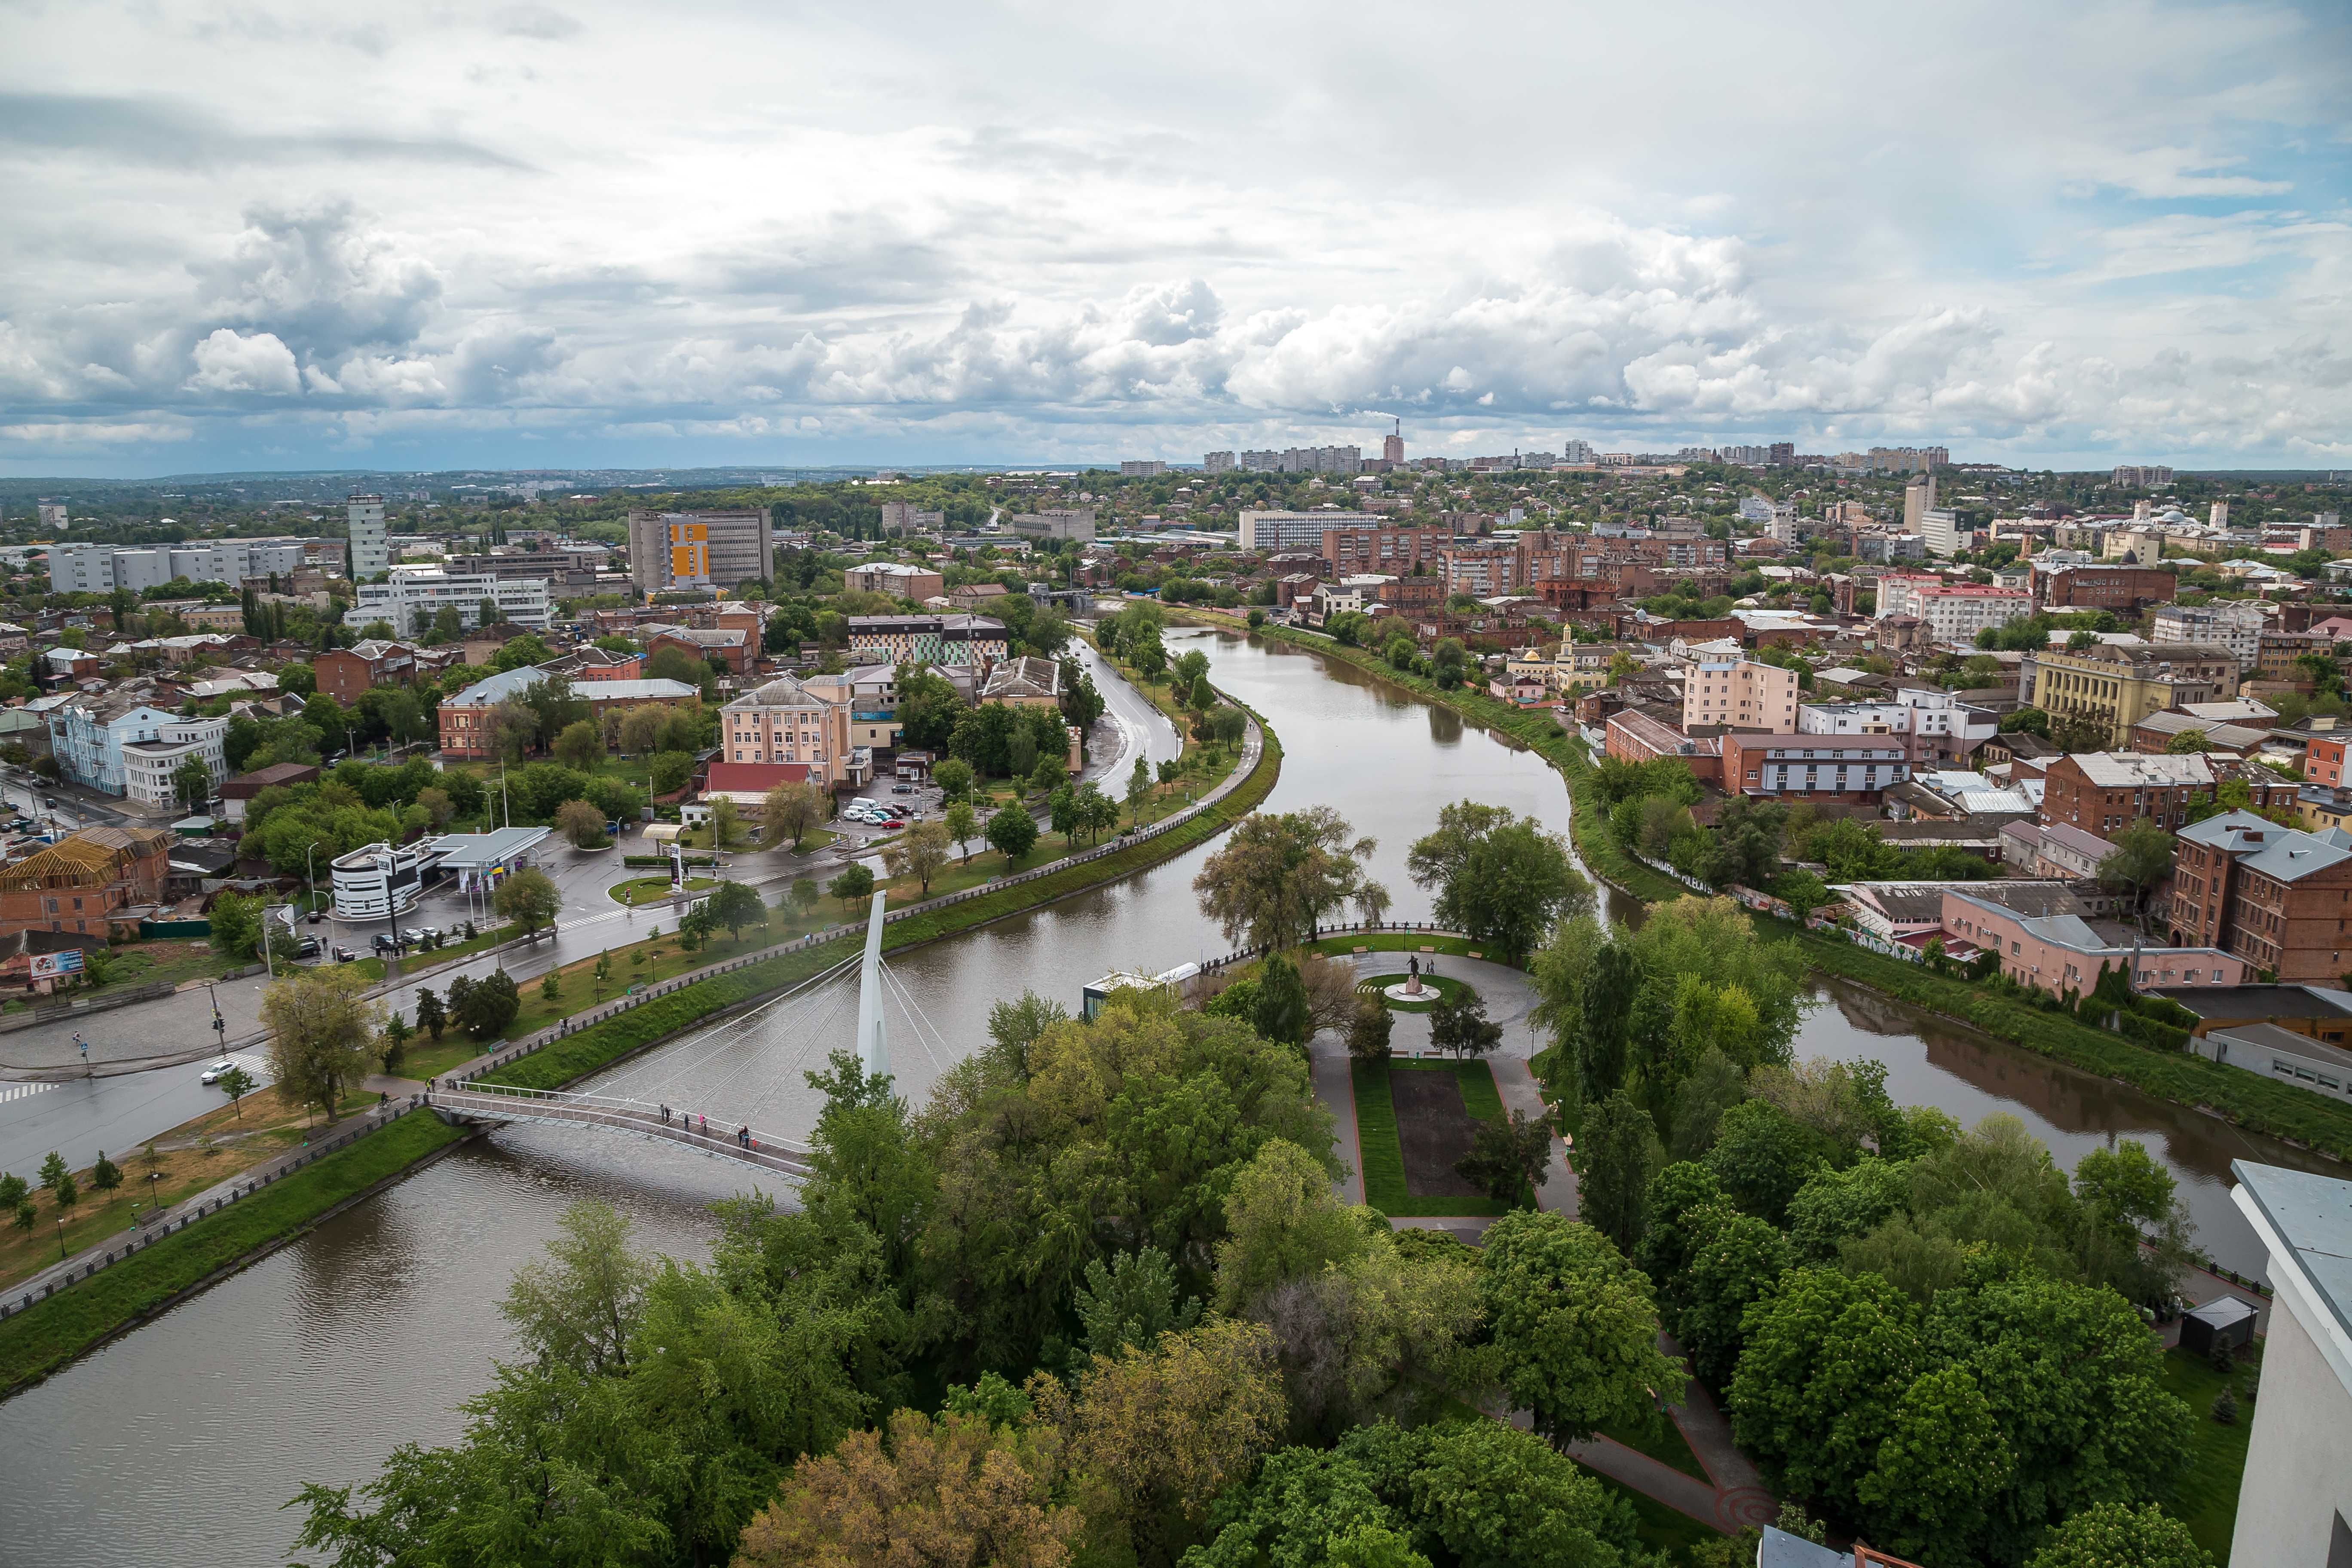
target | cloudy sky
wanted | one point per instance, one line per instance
(260, 234)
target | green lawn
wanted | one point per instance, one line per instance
(651, 889)
(2206, 1496)
(1403, 941)
(1662, 1440)
(1376, 1135)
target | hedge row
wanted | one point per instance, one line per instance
(47, 1335)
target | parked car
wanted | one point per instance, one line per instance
(317, 915)
(384, 942)
(306, 948)
(412, 937)
(345, 956)
(902, 789)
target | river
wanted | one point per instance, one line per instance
(180, 1442)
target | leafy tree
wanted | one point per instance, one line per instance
(953, 775)
(1458, 1023)
(2142, 858)
(1614, 1156)
(1763, 1157)
(487, 1006)
(582, 1305)
(105, 1176)
(923, 850)
(1013, 831)
(1282, 1005)
(957, 1492)
(1131, 1303)
(1368, 1030)
(1508, 1155)
(1835, 1206)
(1276, 876)
(191, 781)
(323, 1035)
(396, 1034)
(735, 905)
(669, 770)
(236, 1083)
(1817, 1382)
(528, 900)
(2112, 1535)
(963, 825)
(791, 811)
(1138, 790)
(1734, 1261)
(803, 895)
(430, 1016)
(236, 924)
(1498, 877)
(580, 746)
(854, 883)
(580, 822)
(1573, 1325)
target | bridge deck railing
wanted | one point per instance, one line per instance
(617, 1105)
(624, 1117)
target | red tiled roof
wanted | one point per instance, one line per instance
(754, 778)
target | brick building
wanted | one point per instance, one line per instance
(80, 882)
(2125, 589)
(2276, 897)
(1400, 552)
(345, 672)
(2104, 792)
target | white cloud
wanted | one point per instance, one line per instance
(415, 229)
(229, 362)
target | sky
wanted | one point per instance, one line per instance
(254, 235)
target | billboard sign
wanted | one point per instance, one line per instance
(55, 965)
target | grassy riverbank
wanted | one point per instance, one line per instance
(46, 1337)
(39, 1341)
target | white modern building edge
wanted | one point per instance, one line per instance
(2294, 1502)
(378, 881)
(414, 595)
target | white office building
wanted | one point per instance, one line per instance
(411, 597)
(371, 549)
(1071, 523)
(1301, 530)
(1943, 725)
(379, 881)
(150, 768)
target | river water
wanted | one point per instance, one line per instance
(180, 1442)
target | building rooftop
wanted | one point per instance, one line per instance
(2306, 1221)
(2254, 1002)
(2285, 854)
(465, 851)
(2140, 770)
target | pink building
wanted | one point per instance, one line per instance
(1742, 696)
(2063, 953)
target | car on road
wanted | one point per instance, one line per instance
(218, 1070)
(306, 948)
(317, 915)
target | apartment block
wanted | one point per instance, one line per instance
(905, 517)
(1300, 530)
(961, 640)
(707, 549)
(101, 568)
(2120, 686)
(2236, 627)
(915, 582)
(2278, 897)
(1857, 771)
(345, 672)
(1406, 552)
(1954, 612)
(1217, 463)
(371, 548)
(1940, 726)
(784, 722)
(2061, 951)
(1742, 695)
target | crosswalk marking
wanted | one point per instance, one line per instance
(19, 1091)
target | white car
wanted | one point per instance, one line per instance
(218, 1070)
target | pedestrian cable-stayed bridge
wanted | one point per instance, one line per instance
(703, 1092)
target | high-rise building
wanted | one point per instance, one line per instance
(1300, 530)
(1574, 451)
(1266, 462)
(412, 597)
(2218, 514)
(1392, 447)
(101, 568)
(1918, 500)
(905, 517)
(53, 518)
(1141, 468)
(2141, 475)
(371, 551)
(699, 549)
(1217, 463)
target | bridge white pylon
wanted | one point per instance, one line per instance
(873, 1045)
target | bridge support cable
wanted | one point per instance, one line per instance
(681, 1058)
(782, 1079)
(920, 1023)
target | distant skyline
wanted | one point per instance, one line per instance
(259, 236)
